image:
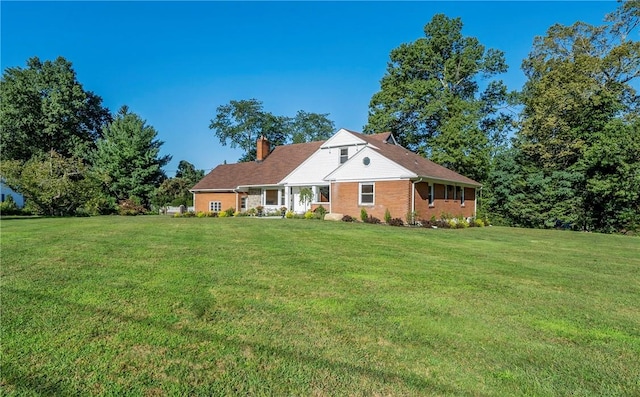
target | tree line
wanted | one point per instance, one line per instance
(68, 155)
(562, 151)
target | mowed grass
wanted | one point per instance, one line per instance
(162, 306)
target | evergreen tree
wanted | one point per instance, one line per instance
(128, 158)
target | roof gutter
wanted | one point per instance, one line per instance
(450, 182)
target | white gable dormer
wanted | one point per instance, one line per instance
(369, 164)
(342, 138)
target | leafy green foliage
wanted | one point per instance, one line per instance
(241, 123)
(575, 160)
(44, 108)
(310, 127)
(320, 212)
(9, 207)
(363, 215)
(612, 172)
(306, 196)
(128, 158)
(173, 192)
(51, 184)
(189, 173)
(387, 216)
(430, 99)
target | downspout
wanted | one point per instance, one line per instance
(413, 199)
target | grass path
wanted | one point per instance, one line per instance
(162, 306)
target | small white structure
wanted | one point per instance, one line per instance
(5, 192)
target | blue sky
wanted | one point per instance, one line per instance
(173, 63)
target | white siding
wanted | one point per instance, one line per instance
(317, 166)
(343, 138)
(295, 204)
(379, 167)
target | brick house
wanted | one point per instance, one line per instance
(345, 173)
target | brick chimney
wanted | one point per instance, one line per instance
(262, 151)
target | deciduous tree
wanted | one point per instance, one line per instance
(241, 123)
(189, 173)
(51, 183)
(430, 98)
(577, 152)
(43, 107)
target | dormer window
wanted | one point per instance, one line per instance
(344, 155)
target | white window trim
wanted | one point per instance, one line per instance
(432, 197)
(212, 206)
(316, 194)
(264, 198)
(462, 196)
(360, 193)
(346, 156)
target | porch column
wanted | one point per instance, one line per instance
(287, 197)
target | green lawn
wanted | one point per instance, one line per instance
(241, 306)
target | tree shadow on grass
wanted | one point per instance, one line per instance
(41, 383)
(38, 383)
(23, 217)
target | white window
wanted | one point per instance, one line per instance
(344, 155)
(215, 206)
(367, 193)
(243, 203)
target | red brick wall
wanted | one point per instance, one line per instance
(440, 205)
(227, 200)
(392, 195)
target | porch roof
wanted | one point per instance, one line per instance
(280, 162)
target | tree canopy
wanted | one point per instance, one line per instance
(430, 98)
(43, 107)
(241, 123)
(576, 155)
(175, 191)
(189, 173)
(128, 158)
(51, 183)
